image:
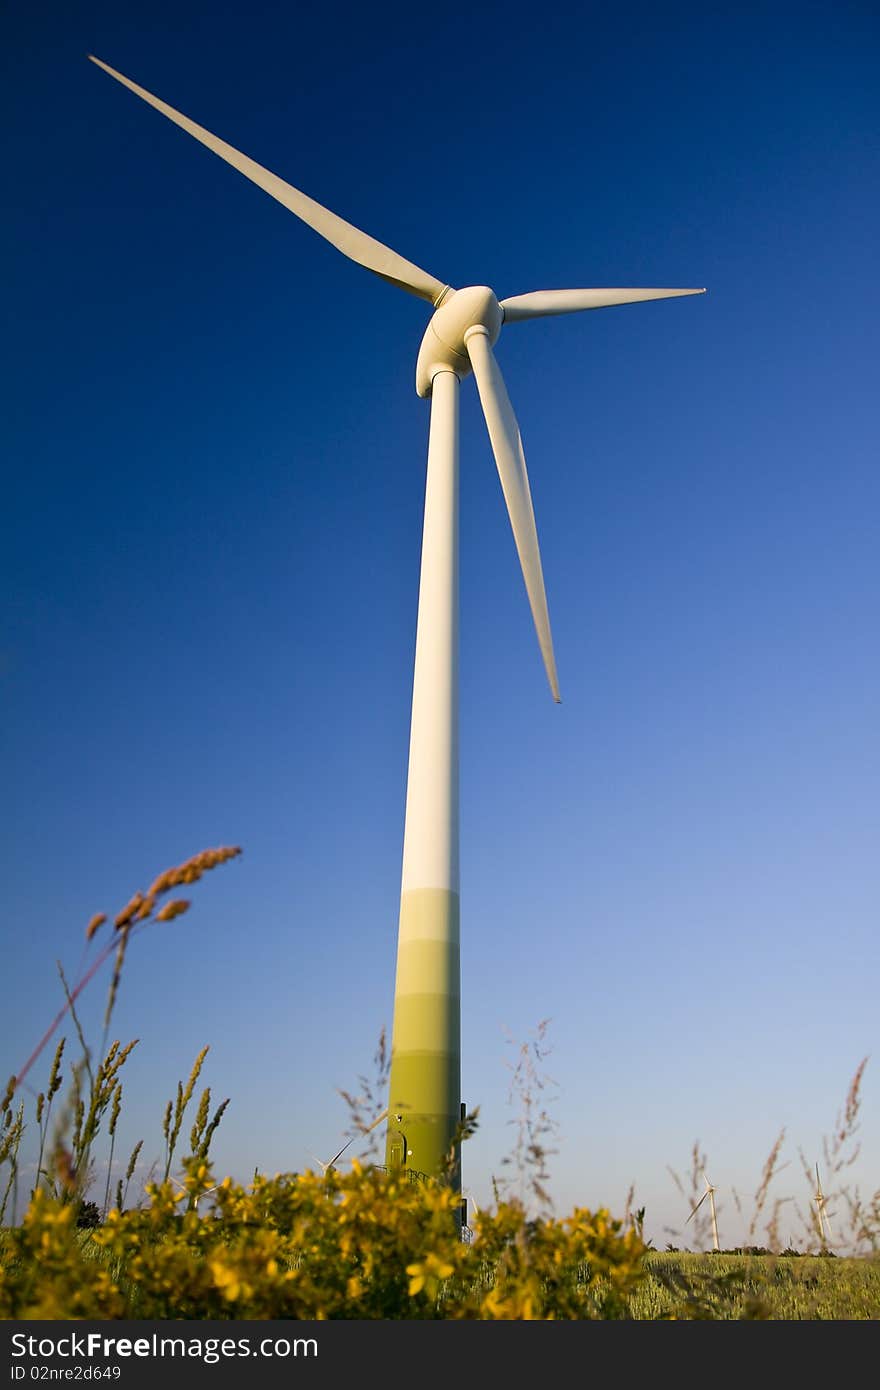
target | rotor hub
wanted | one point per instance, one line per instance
(444, 346)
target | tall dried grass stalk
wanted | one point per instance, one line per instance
(133, 917)
(96, 1088)
(184, 1096)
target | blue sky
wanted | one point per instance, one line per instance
(211, 540)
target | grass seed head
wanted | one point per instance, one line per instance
(114, 1113)
(55, 1077)
(175, 908)
(129, 1172)
(97, 921)
(128, 912)
(192, 869)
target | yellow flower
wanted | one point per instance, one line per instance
(428, 1274)
(226, 1280)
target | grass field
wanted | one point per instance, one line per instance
(732, 1286)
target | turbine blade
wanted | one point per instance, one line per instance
(349, 1142)
(355, 244)
(697, 1207)
(542, 302)
(507, 447)
(342, 1150)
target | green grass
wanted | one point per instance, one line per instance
(735, 1286)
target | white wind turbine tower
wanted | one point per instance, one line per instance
(822, 1211)
(710, 1193)
(425, 1089)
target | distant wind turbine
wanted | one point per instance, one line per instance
(710, 1193)
(200, 1195)
(325, 1167)
(821, 1211)
(425, 1082)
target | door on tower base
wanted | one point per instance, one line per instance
(397, 1151)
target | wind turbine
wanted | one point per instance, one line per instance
(710, 1193)
(821, 1211)
(424, 1086)
(325, 1167)
(200, 1195)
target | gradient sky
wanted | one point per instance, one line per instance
(213, 491)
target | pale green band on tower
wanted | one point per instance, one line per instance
(425, 1083)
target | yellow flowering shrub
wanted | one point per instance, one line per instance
(360, 1245)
